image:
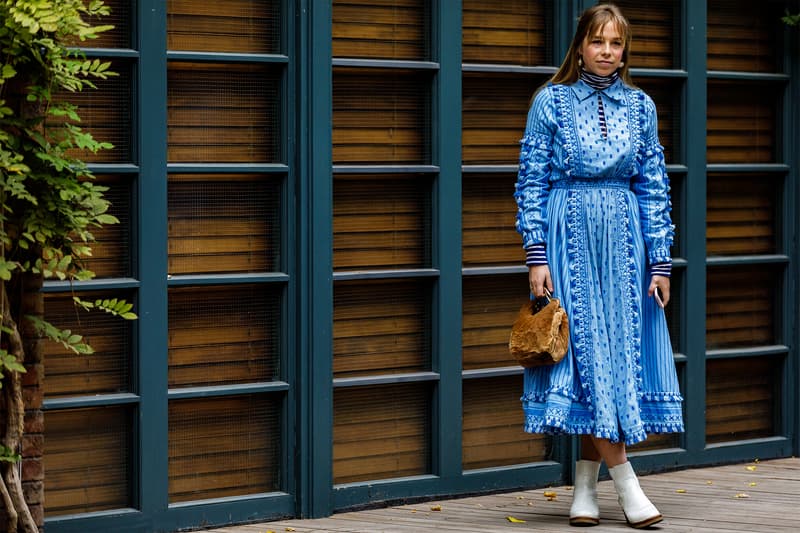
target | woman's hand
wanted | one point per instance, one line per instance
(662, 283)
(539, 278)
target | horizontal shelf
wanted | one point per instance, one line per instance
(385, 274)
(496, 270)
(385, 169)
(226, 279)
(113, 168)
(508, 69)
(746, 76)
(227, 390)
(749, 167)
(483, 373)
(109, 53)
(212, 168)
(730, 353)
(226, 57)
(91, 285)
(98, 400)
(724, 260)
(658, 73)
(489, 169)
(384, 63)
(386, 379)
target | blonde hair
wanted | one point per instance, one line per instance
(591, 23)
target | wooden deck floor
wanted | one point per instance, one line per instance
(754, 497)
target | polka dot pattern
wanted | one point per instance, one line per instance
(600, 204)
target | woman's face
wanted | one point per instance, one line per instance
(602, 52)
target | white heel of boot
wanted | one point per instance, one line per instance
(584, 510)
(639, 511)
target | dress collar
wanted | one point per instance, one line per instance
(583, 91)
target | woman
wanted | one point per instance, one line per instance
(593, 212)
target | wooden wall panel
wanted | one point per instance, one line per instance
(488, 221)
(106, 371)
(223, 113)
(742, 125)
(381, 432)
(742, 398)
(236, 26)
(111, 253)
(494, 111)
(223, 335)
(656, 32)
(120, 16)
(381, 221)
(223, 223)
(741, 306)
(380, 327)
(742, 215)
(224, 446)
(514, 31)
(666, 95)
(490, 306)
(744, 36)
(492, 433)
(380, 117)
(88, 460)
(106, 113)
(382, 29)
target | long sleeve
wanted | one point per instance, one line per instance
(533, 187)
(651, 187)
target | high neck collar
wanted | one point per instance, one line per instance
(599, 83)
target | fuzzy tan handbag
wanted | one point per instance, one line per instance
(540, 334)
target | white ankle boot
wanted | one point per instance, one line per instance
(639, 511)
(584, 510)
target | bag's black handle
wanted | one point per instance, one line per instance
(540, 302)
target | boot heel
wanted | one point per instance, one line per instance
(638, 509)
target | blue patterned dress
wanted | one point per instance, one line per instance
(601, 204)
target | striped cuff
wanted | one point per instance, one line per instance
(535, 255)
(661, 269)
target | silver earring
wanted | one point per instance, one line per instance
(580, 61)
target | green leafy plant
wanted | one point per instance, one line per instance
(791, 20)
(49, 201)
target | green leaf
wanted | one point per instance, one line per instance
(7, 72)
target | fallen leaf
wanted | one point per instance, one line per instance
(741, 495)
(515, 520)
(755, 460)
(550, 494)
(436, 507)
(413, 510)
(530, 503)
(569, 487)
(290, 529)
(520, 497)
(709, 482)
(752, 484)
(751, 468)
(680, 491)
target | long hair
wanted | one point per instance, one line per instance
(591, 23)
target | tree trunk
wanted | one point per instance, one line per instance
(14, 424)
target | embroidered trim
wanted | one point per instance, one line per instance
(626, 266)
(578, 275)
(565, 117)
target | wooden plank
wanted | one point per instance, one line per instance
(708, 504)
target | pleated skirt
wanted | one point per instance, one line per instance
(618, 380)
